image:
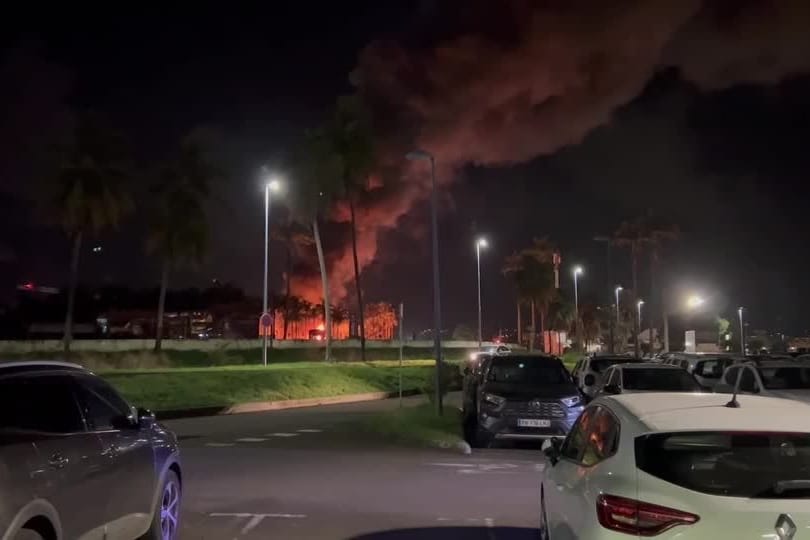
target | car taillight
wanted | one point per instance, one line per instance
(636, 517)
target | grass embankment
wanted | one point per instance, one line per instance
(170, 389)
(102, 361)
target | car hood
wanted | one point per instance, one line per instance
(798, 395)
(528, 391)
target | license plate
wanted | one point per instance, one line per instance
(533, 422)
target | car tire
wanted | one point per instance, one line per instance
(483, 438)
(543, 517)
(166, 520)
(469, 426)
(28, 534)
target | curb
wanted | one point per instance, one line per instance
(261, 406)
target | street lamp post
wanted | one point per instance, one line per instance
(742, 331)
(617, 290)
(638, 331)
(272, 185)
(577, 271)
(480, 243)
(418, 155)
(608, 242)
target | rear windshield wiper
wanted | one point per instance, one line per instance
(790, 485)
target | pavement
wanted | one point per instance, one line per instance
(295, 474)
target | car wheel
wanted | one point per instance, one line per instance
(166, 521)
(543, 520)
(483, 438)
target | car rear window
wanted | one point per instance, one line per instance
(665, 380)
(599, 365)
(764, 465)
(527, 371)
(710, 369)
(785, 378)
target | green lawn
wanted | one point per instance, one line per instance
(168, 389)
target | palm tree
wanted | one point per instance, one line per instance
(317, 169)
(633, 235)
(350, 137)
(513, 270)
(294, 237)
(89, 193)
(660, 232)
(178, 231)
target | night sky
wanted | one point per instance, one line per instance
(544, 130)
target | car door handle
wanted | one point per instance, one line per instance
(58, 461)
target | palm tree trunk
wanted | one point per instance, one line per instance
(327, 311)
(164, 284)
(634, 255)
(67, 338)
(357, 280)
(287, 299)
(519, 325)
(542, 329)
(534, 326)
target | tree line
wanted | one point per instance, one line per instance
(533, 274)
(91, 191)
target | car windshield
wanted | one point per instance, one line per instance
(785, 378)
(527, 371)
(733, 464)
(599, 365)
(665, 380)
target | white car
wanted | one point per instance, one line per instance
(783, 379)
(680, 466)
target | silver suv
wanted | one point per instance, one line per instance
(77, 461)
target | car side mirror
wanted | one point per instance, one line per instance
(551, 448)
(612, 389)
(146, 418)
(589, 379)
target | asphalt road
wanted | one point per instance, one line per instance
(294, 475)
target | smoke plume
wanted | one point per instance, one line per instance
(517, 79)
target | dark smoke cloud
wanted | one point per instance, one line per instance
(515, 79)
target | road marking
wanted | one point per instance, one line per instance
(219, 444)
(251, 439)
(463, 465)
(255, 519)
(281, 435)
(309, 430)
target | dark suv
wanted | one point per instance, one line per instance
(77, 461)
(518, 397)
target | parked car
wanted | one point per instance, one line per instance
(787, 379)
(668, 465)
(518, 397)
(589, 372)
(647, 377)
(77, 461)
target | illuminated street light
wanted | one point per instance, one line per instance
(272, 185)
(742, 331)
(618, 289)
(638, 327)
(695, 301)
(577, 272)
(421, 155)
(480, 243)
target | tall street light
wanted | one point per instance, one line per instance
(480, 243)
(421, 155)
(638, 332)
(616, 291)
(742, 331)
(272, 185)
(577, 272)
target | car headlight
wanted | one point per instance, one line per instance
(572, 401)
(493, 400)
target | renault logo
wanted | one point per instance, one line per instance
(785, 528)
